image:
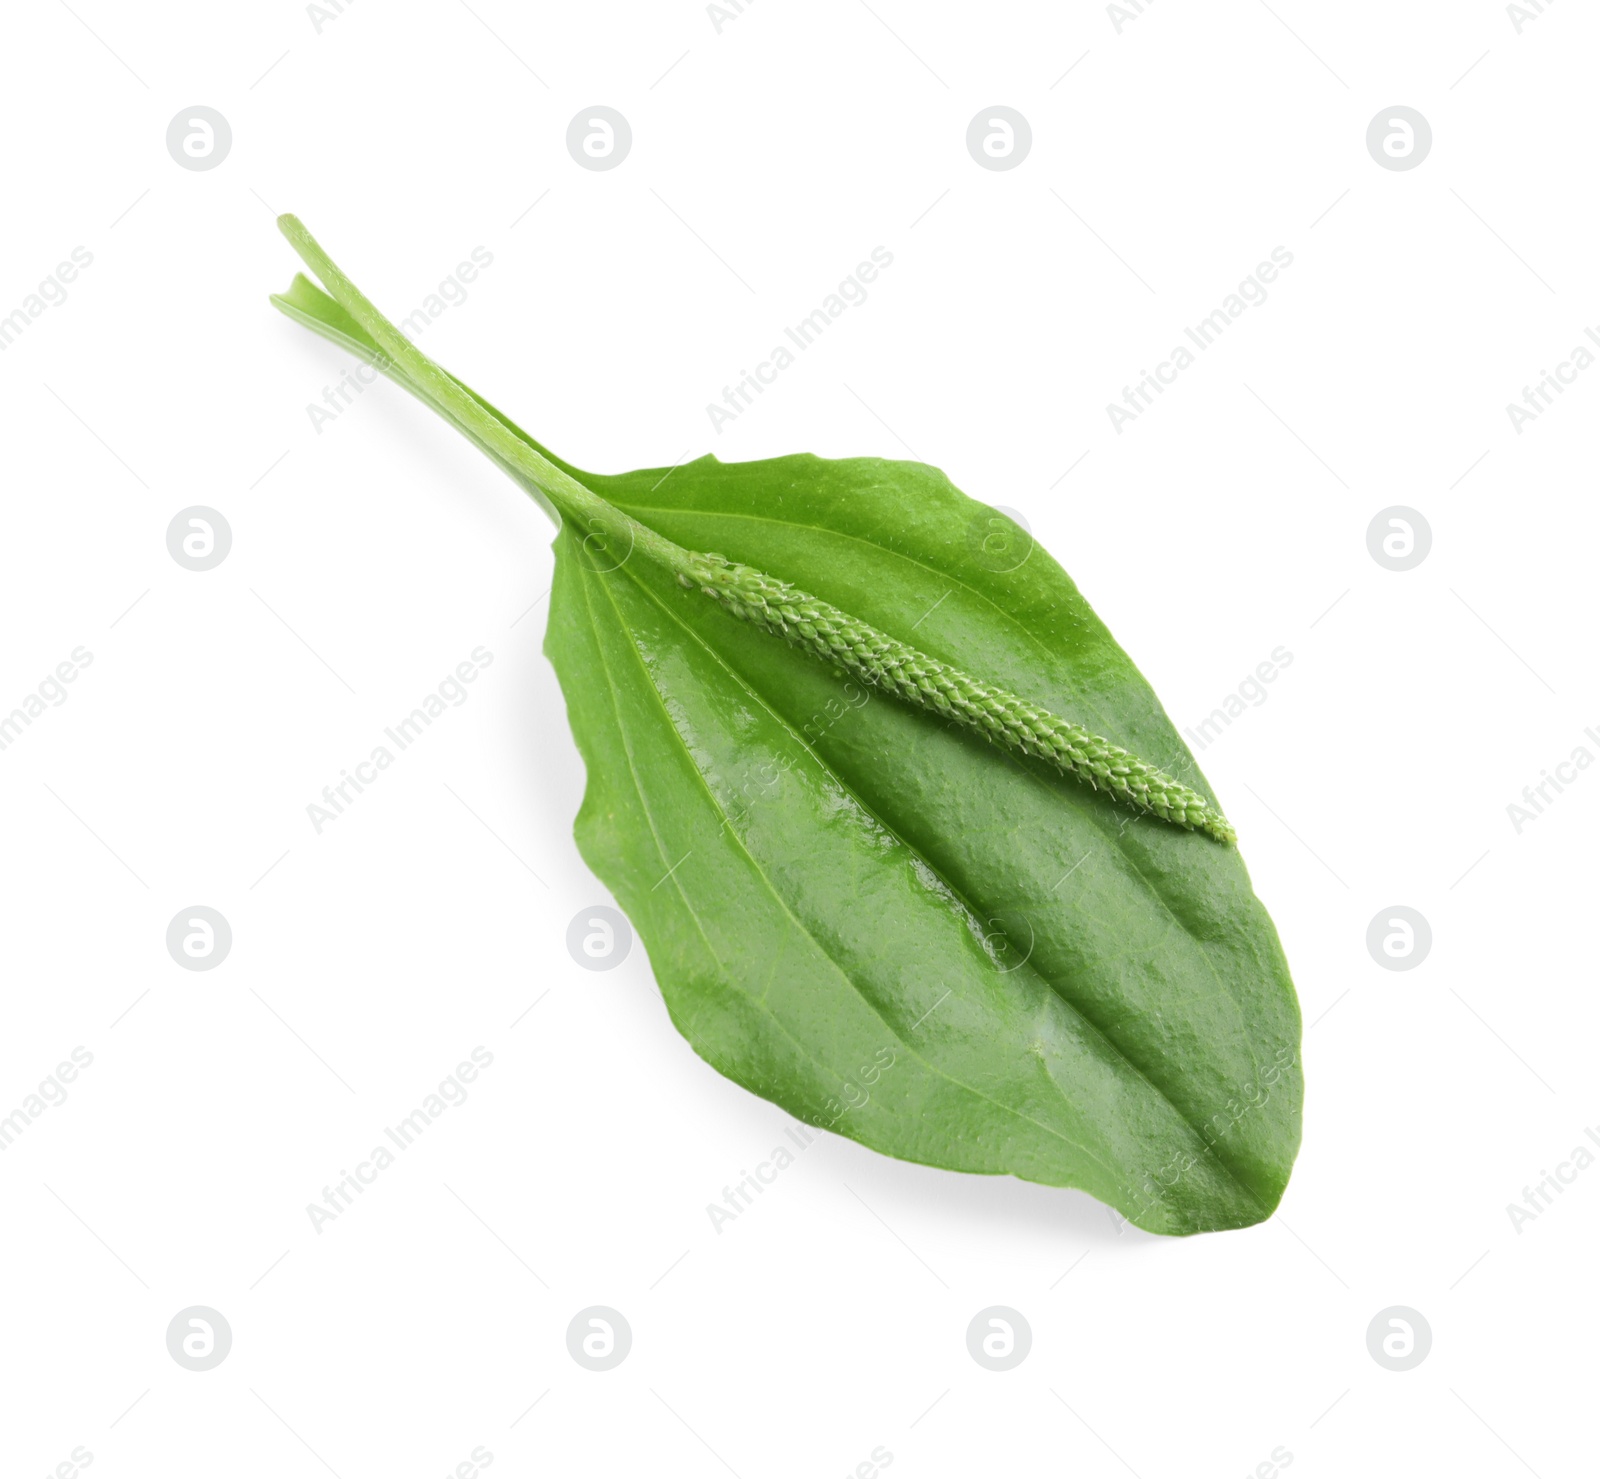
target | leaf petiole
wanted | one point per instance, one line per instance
(1005, 719)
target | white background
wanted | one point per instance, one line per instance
(371, 557)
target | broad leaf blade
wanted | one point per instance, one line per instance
(827, 880)
(879, 922)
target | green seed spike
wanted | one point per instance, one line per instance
(1002, 717)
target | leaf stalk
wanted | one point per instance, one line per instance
(1000, 716)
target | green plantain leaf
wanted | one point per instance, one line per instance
(877, 919)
